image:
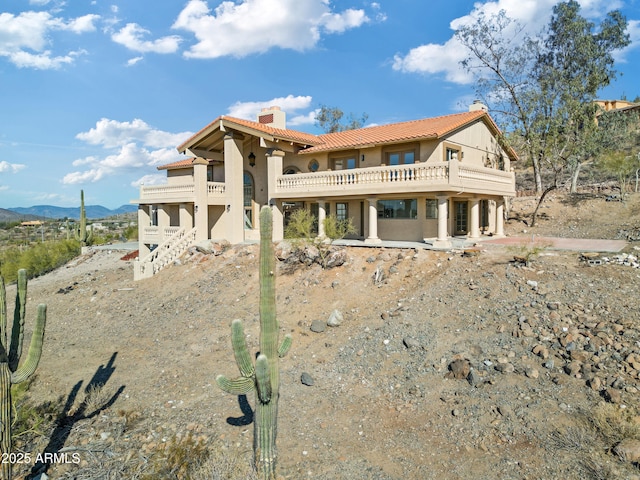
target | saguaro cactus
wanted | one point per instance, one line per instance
(82, 235)
(10, 370)
(263, 378)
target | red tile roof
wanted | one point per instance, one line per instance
(187, 162)
(396, 132)
(435, 127)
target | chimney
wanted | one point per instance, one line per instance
(478, 105)
(273, 116)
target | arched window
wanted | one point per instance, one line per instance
(249, 195)
(290, 171)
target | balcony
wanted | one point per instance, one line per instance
(181, 193)
(414, 178)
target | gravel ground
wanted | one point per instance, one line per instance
(455, 365)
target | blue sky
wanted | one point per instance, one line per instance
(96, 94)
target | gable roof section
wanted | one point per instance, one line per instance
(254, 128)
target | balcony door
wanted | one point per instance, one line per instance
(249, 197)
(461, 210)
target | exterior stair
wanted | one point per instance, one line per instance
(164, 254)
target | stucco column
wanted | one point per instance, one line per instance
(144, 220)
(500, 217)
(474, 230)
(164, 220)
(234, 187)
(186, 216)
(442, 241)
(200, 204)
(322, 214)
(372, 238)
(274, 170)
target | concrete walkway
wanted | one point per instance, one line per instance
(557, 243)
(460, 243)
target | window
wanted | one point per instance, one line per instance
(401, 158)
(453, 154)
(342, 211)
(290, 171)
(432, 208)
(398, 208)
(313, 165)
(346, 163)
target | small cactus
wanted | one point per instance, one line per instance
(84, 236)
(263, 377)
(10, 353)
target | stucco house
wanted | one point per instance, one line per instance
(423, 180)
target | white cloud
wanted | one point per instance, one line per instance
(132, 61)
(255, 26)
(42, 61)
(339, 22)
(155, 179)
(444, 59)
(290, 104)
(6, 167)
(4, 188)
(81, 24)
(306, 119)
(129, 146)
(634, 33)
(112, 133)
(131, 36)
(25, 39)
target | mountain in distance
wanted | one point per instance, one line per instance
(53, 212)
(9, 216)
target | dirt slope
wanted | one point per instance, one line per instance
(381, 405)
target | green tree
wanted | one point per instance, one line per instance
(544, 91)
(329, 119)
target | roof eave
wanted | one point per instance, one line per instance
(199, 136)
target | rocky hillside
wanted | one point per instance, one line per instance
(442, 365)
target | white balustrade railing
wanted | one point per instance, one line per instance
(184, 190)
(418, 172)
(215, 188)
(381, 177)
(154, 234)
(165, 253)
(485, 174)
(149, 192)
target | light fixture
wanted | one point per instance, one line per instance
(252, 156)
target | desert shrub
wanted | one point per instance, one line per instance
(527, 252)
(315, 249)
(223, 464)
(300, 225)
(335, 229)
(30, 422)
(178, 458)
(591, 440)
(37, 259)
